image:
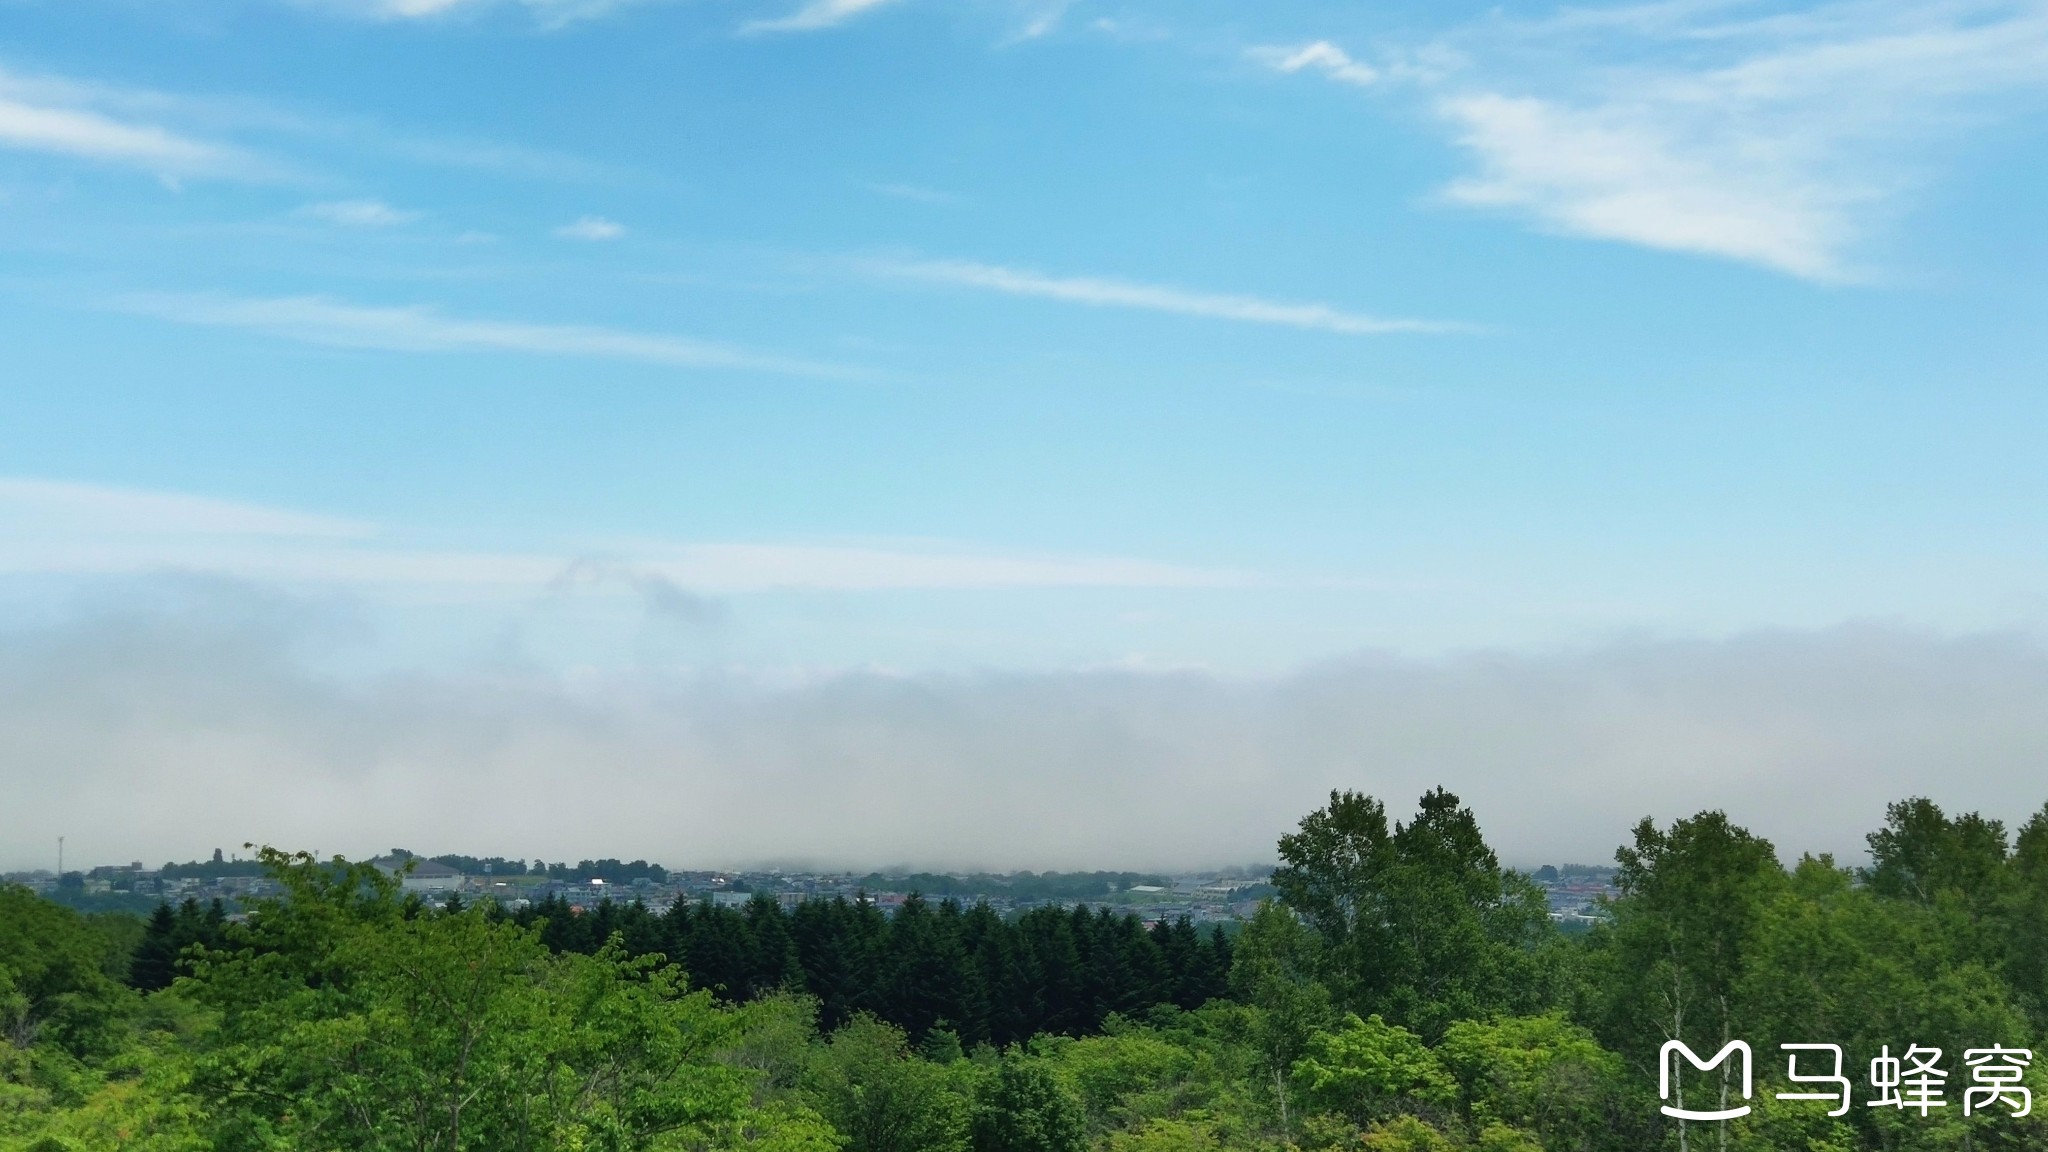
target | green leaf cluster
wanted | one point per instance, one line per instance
(1405, 993)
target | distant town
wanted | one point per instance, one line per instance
(1574, 892)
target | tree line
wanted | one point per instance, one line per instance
(1404, 992)
(965, 970)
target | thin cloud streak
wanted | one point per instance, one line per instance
(1043, 23)
(1105, 293)
(89, 135)
(51, 526)
(913, 192)
(549, 13)
(856, 567)
(591, 228)
(709, 568)
(358, 214)
(96, 508)
(483, 156)
(814, 16)
(176, 134)
(318, 320)
(1322, 57)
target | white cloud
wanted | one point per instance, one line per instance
(591, 228)
(358, 214)
(317, 320)
(484, 156)
(550, 13)
(90, 135)
(844, 567)
(1323, 57)
(106, 721)
(914, 193)
(1614, 174)
(176, 134)
(1043, 22)
(1153, 298)
(416, 7)
(815, 15)
(1778, 139)
(1777, 142)
(28, 505)
(51, 526)
(439, 575)
(710, 568)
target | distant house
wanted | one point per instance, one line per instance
(426, 875)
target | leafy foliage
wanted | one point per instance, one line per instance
(1404, 994)
(1366, 1069)
(1420, 924)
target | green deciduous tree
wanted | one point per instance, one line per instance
(1367, 1069)
(1277, 971)
(55, 982)
(1419, 923)
(1165, 1136)
(2026, 919)
(1692, 905)
(1547, 1076)
(1921, 853)
(350, 1020)
(1023, 1108)
(881, 1097)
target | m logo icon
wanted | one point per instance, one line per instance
(1665, 1063)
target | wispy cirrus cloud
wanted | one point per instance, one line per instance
(319, 320)
(915, 193)
(813, 16)
(1321, 57)
(358, 214)
(59, 118)
(738, 567)
(475, 155)
(1770, 137)
(28, 502)
(184, 135)
(550, 13)
(703, 569)
(591, 228)
(1108, 293)
(65, 527)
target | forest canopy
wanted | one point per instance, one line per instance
(1403, 992)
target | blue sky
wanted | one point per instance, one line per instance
(785, 340)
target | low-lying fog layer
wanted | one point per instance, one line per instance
(163, 733)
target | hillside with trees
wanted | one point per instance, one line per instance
(1403, 993)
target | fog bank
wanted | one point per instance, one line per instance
(162, 733)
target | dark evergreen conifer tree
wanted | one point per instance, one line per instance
(154, 964)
